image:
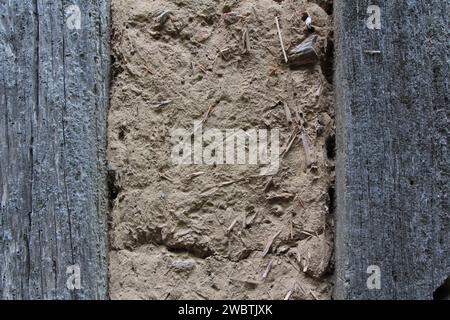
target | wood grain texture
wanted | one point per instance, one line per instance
(393, 162)
(53, 107)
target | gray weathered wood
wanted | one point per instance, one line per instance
(53, 106)
(393, 162)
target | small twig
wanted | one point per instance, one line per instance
(300, 202)
(308, 233)
(217, 217)
(289, 294)
(224, 53)
(288, 113)
(166, 177)
(281, 39)
(291, 229)
(254, 12)
(246, 41)
(307, 261)
(266, 273)
(202, 68)
(294, 264)
(161, 104)
(207, 192)
(227, 183)
(306, 147)
(313, 295)
(200, 295)
(269, 243)
(300, 287)
(268, 183)
(232, 225)
(291, 140)
(208, 113)
(305, 141)
(223, 184)
(195, 174)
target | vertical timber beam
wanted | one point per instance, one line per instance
(393, 168)
(54, 62)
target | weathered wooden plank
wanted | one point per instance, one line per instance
(53, 105)
(393, 163)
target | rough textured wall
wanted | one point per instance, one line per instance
(53, 105)
(198, 231)
(393, 162)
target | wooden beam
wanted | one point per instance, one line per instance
(393, 167)
(53, 108)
